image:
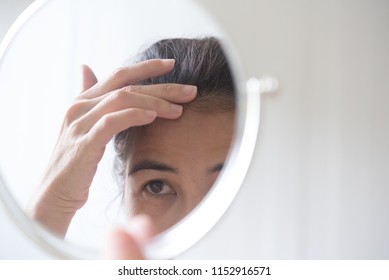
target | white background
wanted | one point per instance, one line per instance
(318, 186)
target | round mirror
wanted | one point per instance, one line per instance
(129, 134)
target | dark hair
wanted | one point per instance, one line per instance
(200, 62)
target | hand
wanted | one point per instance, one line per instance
(128, 245)
(101, 111)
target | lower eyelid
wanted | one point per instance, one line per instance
(168, 196)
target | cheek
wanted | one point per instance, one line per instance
(192, 195)
(162, 214)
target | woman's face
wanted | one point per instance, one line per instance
(173, 164)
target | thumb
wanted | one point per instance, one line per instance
(123, 245)
(88, 78)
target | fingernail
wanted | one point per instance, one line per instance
(176, 108)
(168, 62)
(150, 114)
(189, 90)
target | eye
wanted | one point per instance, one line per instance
(157, 187)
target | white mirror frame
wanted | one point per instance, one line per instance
(182, 236)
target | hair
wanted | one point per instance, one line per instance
(200, 62)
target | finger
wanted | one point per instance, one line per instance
(111, 124)
(141, 228)
(122, 100)
(122, 246)
(81, 106)
(131, 96)
(130, 75)
(176, 93)
(88, 78)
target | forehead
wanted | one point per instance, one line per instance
(193, 135)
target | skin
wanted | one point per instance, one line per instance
(173, 164)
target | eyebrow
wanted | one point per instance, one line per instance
(160, 166)
(216, 168)
(151, 165)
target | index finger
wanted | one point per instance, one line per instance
(129, 75)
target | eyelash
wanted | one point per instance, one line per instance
(170, 191)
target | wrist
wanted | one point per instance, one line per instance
(54, 216)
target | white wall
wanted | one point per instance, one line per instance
(10, 10)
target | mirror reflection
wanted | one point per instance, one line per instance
(148, 137)
(171, 113)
